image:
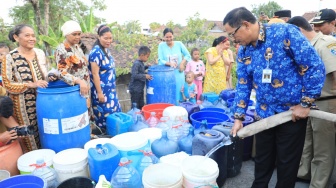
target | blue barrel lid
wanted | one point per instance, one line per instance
(58, 90)
(160, 68)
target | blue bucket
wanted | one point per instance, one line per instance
(162, 88)
(118, 123)
(62, 118)
(23, 181)
(214, 109)
(213, 118)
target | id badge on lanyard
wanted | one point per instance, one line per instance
(267, 72)
(267, 76)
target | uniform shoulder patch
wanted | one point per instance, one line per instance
(332, 48)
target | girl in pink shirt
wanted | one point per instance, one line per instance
(198, 68)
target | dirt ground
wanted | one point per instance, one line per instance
(246, 176)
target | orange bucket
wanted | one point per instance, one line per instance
(156, 107)
(9, 155)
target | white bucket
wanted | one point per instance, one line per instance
(93, 143)
(175, 113)
(151, 133)
(162, 175)
(199, 171)
(129, 145)
(175, 159)
(4, 174)
(71, 163)
(29, 158)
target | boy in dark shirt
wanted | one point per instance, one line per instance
(139, 76)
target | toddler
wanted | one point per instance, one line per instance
(189, 89)
(198, 68)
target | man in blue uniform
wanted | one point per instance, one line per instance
(287, 74)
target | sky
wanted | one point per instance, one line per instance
(162, 11)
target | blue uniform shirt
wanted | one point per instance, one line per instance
(298, 72)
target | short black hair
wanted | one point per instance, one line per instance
(143, 50)
(194, 50)
(167, 30)
(300, 21)
(3, 45)
(236, 16)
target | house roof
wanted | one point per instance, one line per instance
(122, 56)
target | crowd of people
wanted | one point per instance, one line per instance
(297, 75)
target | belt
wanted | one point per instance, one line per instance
(326, 98)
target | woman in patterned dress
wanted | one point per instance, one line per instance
(103, 78)
(71, 61)
(23, 71)
(217, 58)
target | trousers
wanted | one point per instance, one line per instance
(281, 145)
(318, 157)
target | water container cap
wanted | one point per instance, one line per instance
(93, 143)
(39, 161)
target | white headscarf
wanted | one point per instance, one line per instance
(70, 27)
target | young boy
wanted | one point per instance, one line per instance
(139, 76)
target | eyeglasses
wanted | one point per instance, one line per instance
(231, 35)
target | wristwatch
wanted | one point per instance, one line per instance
(305, 104)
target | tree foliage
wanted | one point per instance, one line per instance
(268, 8)
(60, 11)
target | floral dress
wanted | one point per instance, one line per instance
(108, 85)
(17, 72)
(72, 65)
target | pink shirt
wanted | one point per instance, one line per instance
(197, 67)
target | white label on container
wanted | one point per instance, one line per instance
(75, 123)
(150, 90)
(50, 126)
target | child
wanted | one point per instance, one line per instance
(198, 68)
(189, 89)
(139, 76)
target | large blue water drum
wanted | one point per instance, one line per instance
(62, 116)
(162, 88)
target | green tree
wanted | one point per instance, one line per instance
(268, 8)
(154, 26)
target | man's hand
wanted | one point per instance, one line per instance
(236, 127)
(299, 112)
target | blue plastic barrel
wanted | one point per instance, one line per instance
(23, 181)
(161, 89)
(213, 118)
(103, 160)
(62, 118)
(118, 123)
